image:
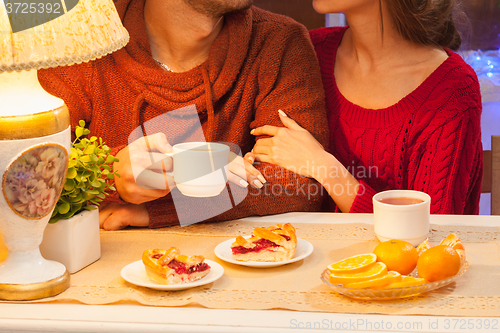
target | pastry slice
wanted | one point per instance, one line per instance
(171, 267)
(271, 244)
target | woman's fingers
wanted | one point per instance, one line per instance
(242, 172)
(265, 130)
(289, 122)
(250, 157)
(261, 149)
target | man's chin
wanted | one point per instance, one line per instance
(241, 6)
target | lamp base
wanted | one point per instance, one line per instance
(26, 275)
(26, 292)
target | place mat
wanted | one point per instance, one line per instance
(295, 286)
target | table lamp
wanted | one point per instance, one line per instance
(35, 132)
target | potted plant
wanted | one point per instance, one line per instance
(72, 235)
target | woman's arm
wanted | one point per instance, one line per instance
(295, 149)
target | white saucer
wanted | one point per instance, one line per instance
(223, 252)
(135, 273)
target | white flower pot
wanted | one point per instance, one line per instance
(74, 242)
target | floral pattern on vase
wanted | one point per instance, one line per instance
(33, 182)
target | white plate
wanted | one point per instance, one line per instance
(135, 273)
(223, 252)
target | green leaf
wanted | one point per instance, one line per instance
(71, 173)
(88, 196)
(85, 159)
(77, 198)
(79, 132)
(69, 185)
(89, 150)
(64, 208)
(92, 139)
(96, 184)
(54, 219)
(81, 123)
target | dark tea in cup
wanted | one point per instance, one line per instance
(401, 201)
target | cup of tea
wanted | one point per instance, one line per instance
(200, 168)
(402, 214)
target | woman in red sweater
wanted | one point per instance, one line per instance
(404, 109)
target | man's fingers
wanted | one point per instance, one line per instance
(160, 162)
(116, 216)
(110, 217)
(148, 179)
(155, 142)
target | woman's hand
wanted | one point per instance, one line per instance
(291, 147)
(242, 172)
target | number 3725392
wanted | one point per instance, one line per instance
(471, 324)
(33, 8)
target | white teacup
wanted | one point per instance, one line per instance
(200, 168)
(402, 214)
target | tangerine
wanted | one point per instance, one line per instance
(438, 262)
(425, 245)
(398, 255)
(453, 241)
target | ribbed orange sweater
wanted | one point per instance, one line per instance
(259, 63)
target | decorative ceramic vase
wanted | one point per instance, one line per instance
(74, 242)
(34, 149)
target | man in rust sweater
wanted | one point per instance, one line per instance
(220, 63)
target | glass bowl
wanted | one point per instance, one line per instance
(392, 293)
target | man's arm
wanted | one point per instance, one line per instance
(289, 79)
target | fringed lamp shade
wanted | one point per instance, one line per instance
(88, 31)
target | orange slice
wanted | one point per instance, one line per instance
(406, 281)
(425, 245)
(376, 270)
(453, 241)
(353, 264)
(460, 252)
(390, 277)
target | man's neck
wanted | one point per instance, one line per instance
(179, 36)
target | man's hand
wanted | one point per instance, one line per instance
(142, 168)
(115, 216)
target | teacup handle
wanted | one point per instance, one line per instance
(170, 173)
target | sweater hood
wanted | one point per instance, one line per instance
(202, 85)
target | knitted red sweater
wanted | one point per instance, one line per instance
(259, 63)
(429, 141)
